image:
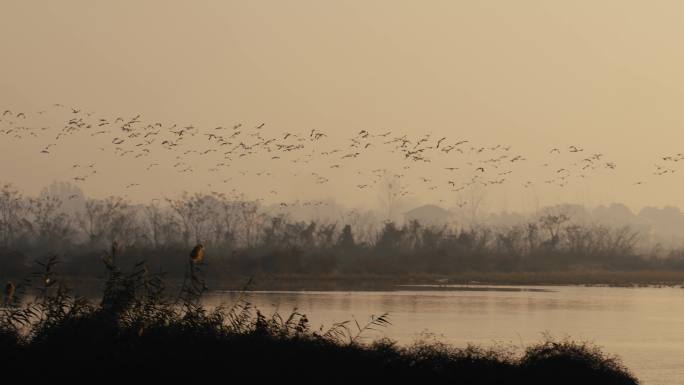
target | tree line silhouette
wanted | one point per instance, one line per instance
(243, 239)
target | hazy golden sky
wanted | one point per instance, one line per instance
(604, 75)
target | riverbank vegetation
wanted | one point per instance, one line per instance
(137, 331)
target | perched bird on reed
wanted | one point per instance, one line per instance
(197, 253)
(9, 292)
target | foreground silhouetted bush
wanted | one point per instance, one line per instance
(139, 333)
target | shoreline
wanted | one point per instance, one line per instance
(461, 281)
(647, 278)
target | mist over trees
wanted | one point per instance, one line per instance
(244, 237)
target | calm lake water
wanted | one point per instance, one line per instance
(644, 326)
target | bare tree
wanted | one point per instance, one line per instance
(47, 221)
(195, 212)
(72, 197)
(251, 221)
(155, 220)
(97, 219)
(229, 218)
(12, 210)
(389, 195)
(364, 225)
(552, 223)
(476, 197)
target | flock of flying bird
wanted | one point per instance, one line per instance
(416, 164)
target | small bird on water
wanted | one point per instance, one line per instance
(197, 253)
